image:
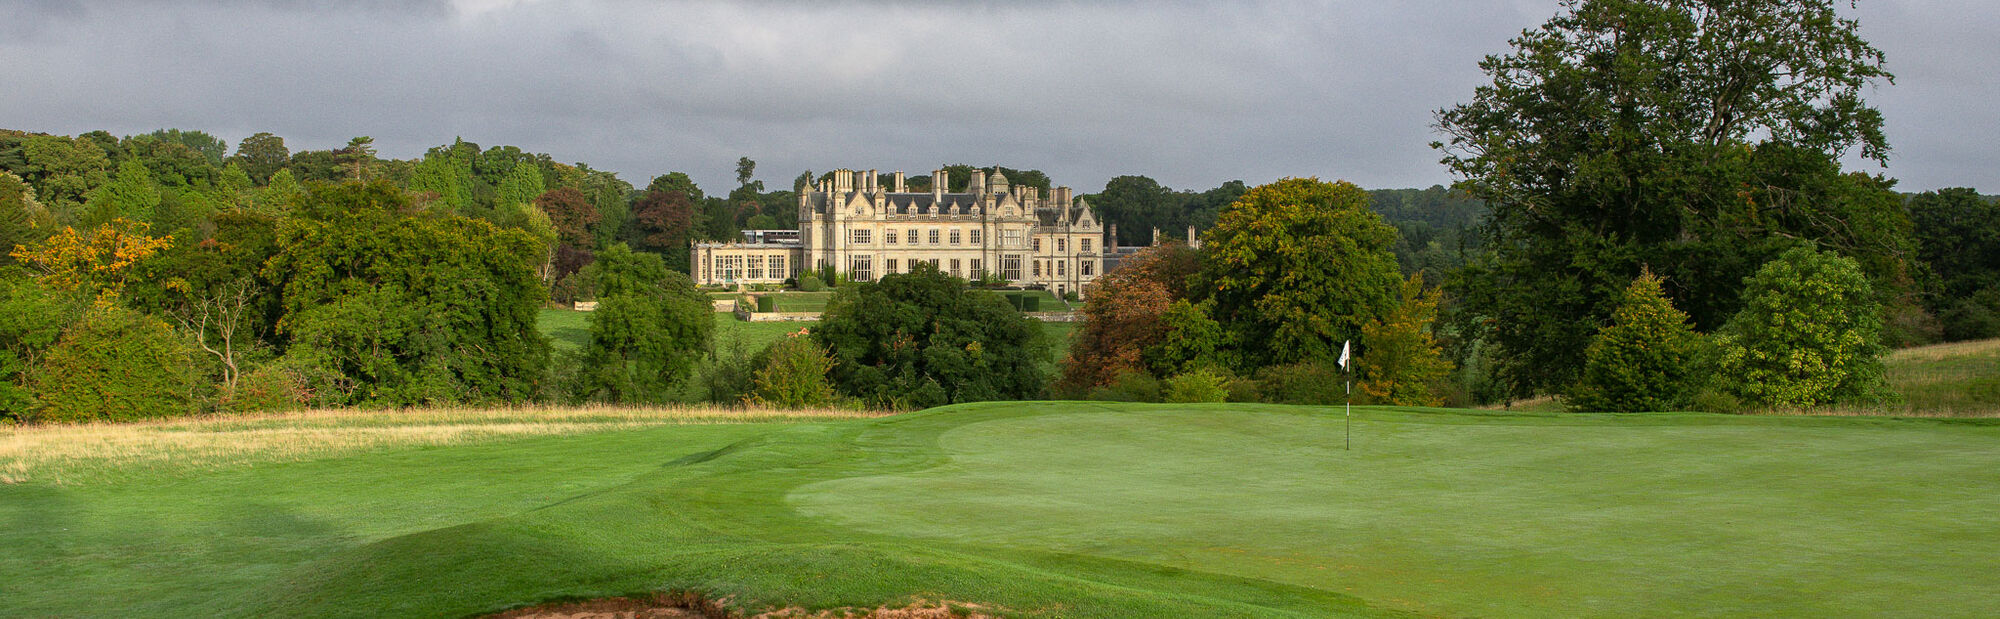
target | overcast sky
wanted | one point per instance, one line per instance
(1189, 93)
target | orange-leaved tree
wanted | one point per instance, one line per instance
(98, 261)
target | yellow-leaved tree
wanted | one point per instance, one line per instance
(1401, 362)
(97, 262)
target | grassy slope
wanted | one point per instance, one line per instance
(1076, 509)
(1958, 379)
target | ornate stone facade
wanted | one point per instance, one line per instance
(855, 225)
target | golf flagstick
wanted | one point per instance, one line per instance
(1347, 382)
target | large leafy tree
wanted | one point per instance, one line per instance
(572, 215)
(1958, 239)
(1701, 137)
(1809, 334)
(650, 328)
(521, 185)
(173, 164)
(444, 180)
(922, 338)
(262, 155)
(32, 317)
(406, 306)
(115, 364)
(1137, 204)
(1296, 267)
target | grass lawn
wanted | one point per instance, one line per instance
(731, 332)
(1070, 509)
(795, 301)
(566, 329)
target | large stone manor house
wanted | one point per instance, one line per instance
(855, 225)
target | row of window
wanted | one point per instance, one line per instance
(863, 267)
(732, 268)
(1062, 245)
(1008, 238)
(1056, 268)
(909, 237)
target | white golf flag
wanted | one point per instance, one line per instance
(1343, 353)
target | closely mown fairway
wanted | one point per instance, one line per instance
(1071, 509)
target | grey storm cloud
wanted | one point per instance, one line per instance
(1190, 93)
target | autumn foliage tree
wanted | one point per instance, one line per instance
(1401, 361)
(1123, 318)
(97, 262)
(664, 221)
(571, 214)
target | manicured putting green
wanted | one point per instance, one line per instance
(1064, 509)
(1462, 515)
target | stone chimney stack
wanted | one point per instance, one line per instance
(1112, 243)
(1062, 197)
(874, 181)
(1194, 242)
(938, 183)
(1156, 235)
(978, 183)
(900, 188)
(842, 180)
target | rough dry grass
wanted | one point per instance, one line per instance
(1939, 352)
(691, 606)
(65, 453)
(1960, 379)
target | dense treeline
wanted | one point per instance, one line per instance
(161, 274)
(1650, 215)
